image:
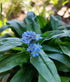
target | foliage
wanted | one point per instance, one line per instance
(2, 21)
(53, 60)
(10, 7)
(59, 3)
(14, 8)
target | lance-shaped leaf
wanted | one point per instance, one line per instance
(60, 57)
(65, 79)
(56, 22)
(65, 47)
(55, 53)
(9, 43)
(52, 34)
(31, 22)
(7, 35)
(41, 79)
(23, 75)
(42, 21)
(11, 60)
(17, 26)
(4, 27)
(61, 67)
(45, 67)
(51, 48)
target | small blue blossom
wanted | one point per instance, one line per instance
(35, 53)
(34, 49)
(38, 37)
(30, 48)
(37, 47)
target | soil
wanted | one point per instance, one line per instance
(64, 12)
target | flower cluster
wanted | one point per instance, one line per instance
(34, 49)
(27, 38)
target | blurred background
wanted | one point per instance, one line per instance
(17, 9)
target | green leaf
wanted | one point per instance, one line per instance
(19, 48)
(60, 57)
(9, 43)
(41, 79)
(42, 21)
(68, 27)
(51, 48)
(4, 28)
(64, 27)
(11, 60)
(53, 51)
(13, 71)
(46, 27)
(55, 34)
(45, 67)
(7, 35)
(66, 33)
(31, 22)
(56, 22)
(65, 79)
(65, 47)
(17, 26)
(51, 34)
(23, 75)
(62, 67)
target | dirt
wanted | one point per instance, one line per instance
(64, 12)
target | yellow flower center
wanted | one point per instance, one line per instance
(23, 37)
(36, 35)
(34, 52)
(37, 46)
(30, 47)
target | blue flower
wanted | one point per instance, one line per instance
(32, 35)
(38, 37)
(30, 48)
(35, 53)
(34, 49)
(25, 37)
(37, 47)
(28, 36)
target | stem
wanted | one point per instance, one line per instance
(1, 13)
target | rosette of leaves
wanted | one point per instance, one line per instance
(53, 62)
